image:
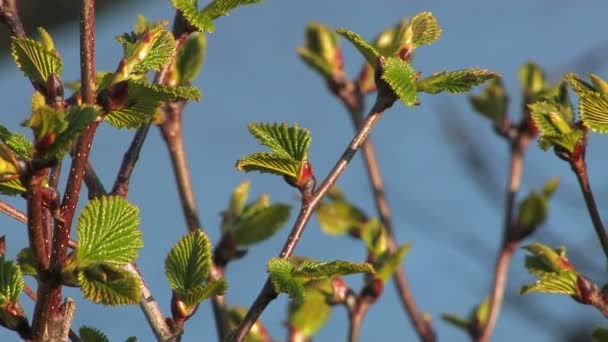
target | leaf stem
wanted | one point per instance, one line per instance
(352, 98)
(580, 169)
(267, 294)
(518, 146)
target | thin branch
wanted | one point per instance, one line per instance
(267, 294)
(355, 319)
(580, 169)
(508, 246)
(13, 212)
(92, 182)
(352, 98)
(10, 17)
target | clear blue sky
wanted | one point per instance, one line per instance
(252, 74)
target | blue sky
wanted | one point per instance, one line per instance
(252, 74)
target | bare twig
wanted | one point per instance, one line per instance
(10, 16)
(92, 182)
(352, 98)
(13, 212)
(267, 294)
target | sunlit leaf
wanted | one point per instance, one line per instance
(288, 142)
(425, 29)
(279, 271)
(260, 225)
(310, 270)
(394, 261)
(269, 163)
(457, 81)
(188, 263)
(90, 334)
(366, 49)
(35, 60)
(593, 109)
(219, 8)
(310, 315)
(190, 57)
(402, 80)
(11, 281)
(105, 284)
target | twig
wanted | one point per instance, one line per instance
(508, 246)
(92, 182)
(121, 185)
(267, 294)
(580, 169)
(352, 98)
(10, 16)
(355, 318)
(13, 212)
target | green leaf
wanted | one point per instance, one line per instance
(35, 60)
(391, 263)
(18, 143)
(188, 263)
(90, 334)
(279, 271)
(550, 187)
(533, 210)
(549, 119)
(107, 232)
(131, 339)
(46, 40)
(190, 57)
(456, 321)
(366, 49)
(580, 87)
(457, 81)
(339, 217)
(401, 78)
(599, 335)
(288, 142)
(546, 260)
(27, 262)
(78, 119)
(144, 100)
(322, 50)
(311, 270)
(257, 333)
(269, 163)
(425, 29)
(593, 109)
(599, 84)
(189, 9)
(219, 8)
(195, 296)
(11, 282)
(46, 121)
(109, 285)
(309, 316)
(373, 235)
(149, 50)
(560, 283)
(492, 102)
(260, 225)
(482, 312)
(531, 78)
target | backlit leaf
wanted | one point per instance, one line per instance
(288, 142)
(260, 225)
(401, 78)
(457, 81)
(368, 51)
(269, 163)
(90, 334)
(279, 271)
(36, 62)
(188, 263)
(593, 109)
(109, 285)
(11, 281)
(311, 270)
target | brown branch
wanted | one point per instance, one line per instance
(267, 294)
(509, 244)
(13, 212)
(92, 182)
(355, 318)
(352, 98)
(579, 167)
(10, 17)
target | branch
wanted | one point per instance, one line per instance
(508, 246)
(352, 98)
(267, 294)
(10, 17)
(579, 167)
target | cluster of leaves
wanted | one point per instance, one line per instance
(395, 46)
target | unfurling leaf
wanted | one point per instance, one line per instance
(368, 51)
(109, 285)
(555, 126)
(279, 271)
(218, 8)
(322, 50)
(189, 9)
(373, 235)
(188, 263)
(90, 334)
(18, 143)
(492, 102)
(190, 58)
(195, 296)
(425, 29)
(107, 232)
(482, 312)
(238, 200)
(393, 261)
(260, 225)
(599, 84)
(310, 315)
(27, 262)
(456, 321)
(532, 78)
(37, 60)
(311, 270)
(580, 87)
(269, 163)
(554, 272)
(338, 217)
(457, 81)
(11, 282)
(593, 110)
(402, 79)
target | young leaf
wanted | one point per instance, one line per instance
(27, 262)
(269, 163)
(599, 84)
(339, 217)
(190, 58)
(309, 316)
(593, 109)
(218, 8)
(260, 225)
(455, 81)
(46, 121)
(150, 50)
(560, 283)
(366, 49)
(533, 210)
(18, 143)
(531, 78)
(78, 118)
(187, 265)
(549, 119)
(107, 232)
(456, 321)
(11, 282)
(35, 60)
(322, 50)
(311, 270)
(555, 274)
(196, 295)
(482, 312)
(279, 271)
(238, 200)
(401, 78)
(90, 334)
(492, 102)
(580, 87)
(189, 9)
(373, 235)
(288, 142)
(425, 29)
(109, 285)
(391, 263)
